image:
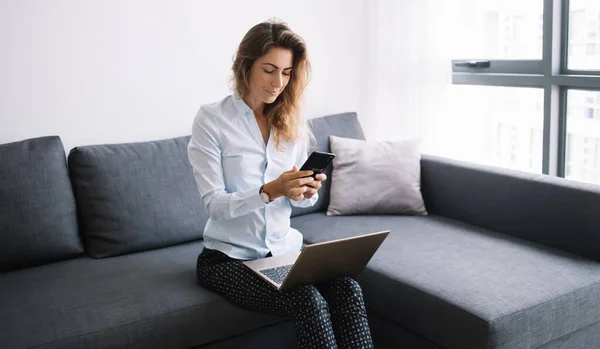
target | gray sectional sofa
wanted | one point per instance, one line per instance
(98, 250)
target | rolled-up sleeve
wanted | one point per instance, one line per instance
(204, 153)
(300, 159)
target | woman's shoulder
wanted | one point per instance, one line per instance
(214, 110)
(217, 106)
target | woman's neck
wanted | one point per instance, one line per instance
(256, 105)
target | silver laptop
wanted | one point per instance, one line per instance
(319, 262)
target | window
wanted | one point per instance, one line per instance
(584, 35)
(499, 126)
(527, 86)
(590, 113)
(583, 149)
(499, 29)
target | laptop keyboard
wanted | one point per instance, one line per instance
(277, 274)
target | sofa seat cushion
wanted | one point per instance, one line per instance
(144, 300)
(467, 287)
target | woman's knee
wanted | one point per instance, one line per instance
(347, 286)
(346, 292)
(308, 298)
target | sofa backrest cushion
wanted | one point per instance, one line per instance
(38, 217)
(547, 210)
(136, 196)
(341, 125)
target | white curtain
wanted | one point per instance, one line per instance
(407, 70)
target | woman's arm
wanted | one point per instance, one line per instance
(204, 153)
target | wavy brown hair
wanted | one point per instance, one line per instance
(283, 115)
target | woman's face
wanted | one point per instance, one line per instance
(270, 74)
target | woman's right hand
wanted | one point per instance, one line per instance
(291, 184)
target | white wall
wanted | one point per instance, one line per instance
(108, 71)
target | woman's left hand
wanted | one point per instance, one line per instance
(314, 186)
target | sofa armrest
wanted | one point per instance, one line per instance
(547, 210)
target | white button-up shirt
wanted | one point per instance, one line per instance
(231, 162)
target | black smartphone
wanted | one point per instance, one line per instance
(317, 162)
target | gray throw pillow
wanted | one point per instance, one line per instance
(375, 178)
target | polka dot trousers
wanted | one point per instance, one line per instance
(327, 315)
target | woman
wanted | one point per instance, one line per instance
(246, 151)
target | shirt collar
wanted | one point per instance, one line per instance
(241, 106)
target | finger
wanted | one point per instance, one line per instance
(312, 184)
(321, 177)
(301, 181)
(297, 197)
(297, 191)
(300, 174)
(311, 191)
(291, 175)
(294, 169)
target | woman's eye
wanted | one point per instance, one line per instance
(286, 74)
(269, 72)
